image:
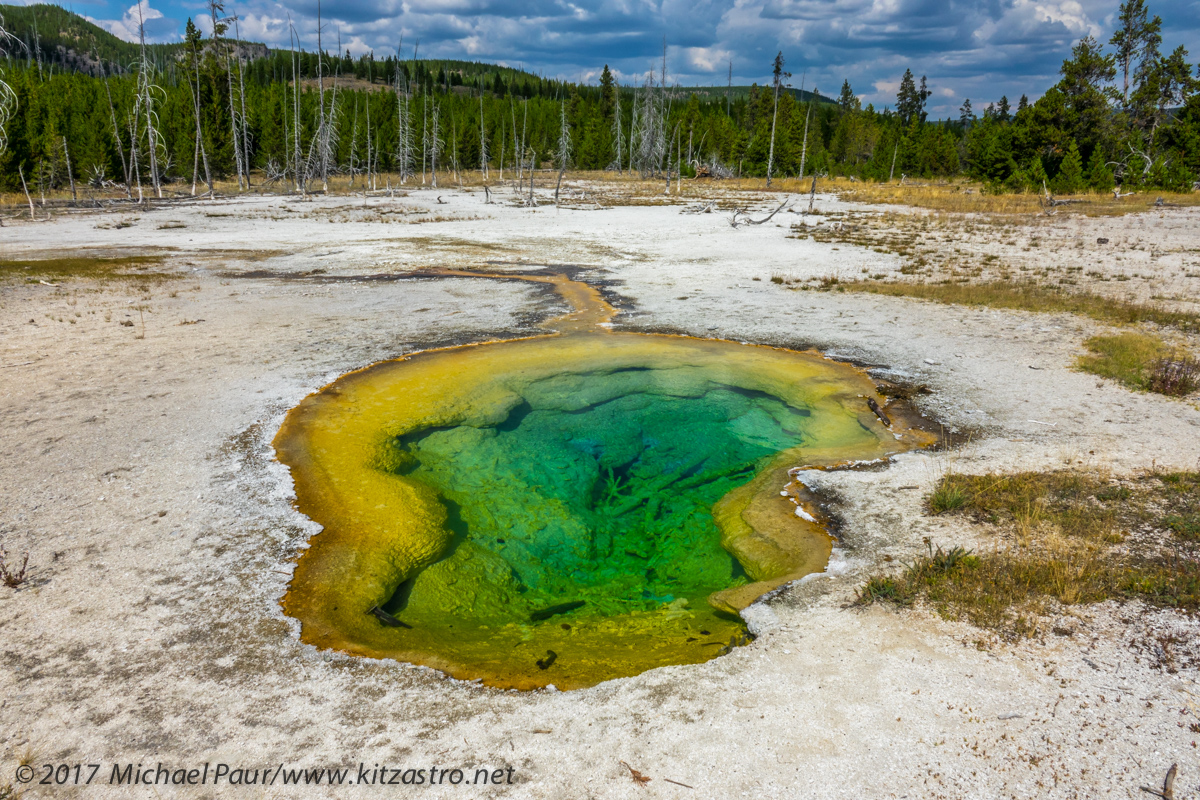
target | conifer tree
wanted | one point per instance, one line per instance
(1084, 76)
(1135, 37)
(846, 98)
(608, 94)
(1070, 173)
(1002, 109)
(1037, 173)
(965, 115)
(1099, 176)
(906, 98)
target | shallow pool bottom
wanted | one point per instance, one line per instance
(564, 510)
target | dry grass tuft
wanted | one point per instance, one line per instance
(1062, 538)
(1176, 376)
(1028, 296)
(89, 267)
(1142, 362)
(10, 575)
(964, 198)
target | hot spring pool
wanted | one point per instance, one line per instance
(564, 510)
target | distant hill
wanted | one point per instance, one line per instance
(68, 41)
(473, 69)
(740, 92)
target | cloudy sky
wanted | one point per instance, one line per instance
(978, 48)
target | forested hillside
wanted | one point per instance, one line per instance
(59, 40)
(210, 108)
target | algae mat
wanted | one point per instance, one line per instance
(564, 510)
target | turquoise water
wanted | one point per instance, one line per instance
(594, 493)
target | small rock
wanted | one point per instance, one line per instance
(1102, 240)
(760, 619)
(1009, 716)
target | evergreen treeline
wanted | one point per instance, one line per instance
(207, 109)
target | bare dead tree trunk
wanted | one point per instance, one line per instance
(321, 93)
(370, 183)
(518, 154)
(201, 151)
(215, 9)
(146, 89)
(564, 147)
(133, 149)
(353, 144)
(8, 98)
(667, 187)
(242, 97)
(70, 175)
(454, 150)
(301, 178)
(117, 139)
(483, 148)
(524, 123)
(233, 124)
(28, 199)
(532, 163)
(633, 129)
(195, 165)
(679, 163)
(734, 221)
(774, 118)
(434, 148)
(617, 124)
(804, 147)
(404, 150)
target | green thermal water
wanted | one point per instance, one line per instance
(568, 509)
(597, 489)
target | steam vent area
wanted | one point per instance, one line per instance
(867, 490)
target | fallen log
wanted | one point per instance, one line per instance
(734, 221)
(871, 404)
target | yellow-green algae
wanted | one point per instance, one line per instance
(472, 492)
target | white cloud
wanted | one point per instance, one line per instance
(138, 16)
(708, 59)
(967, 49)
(260, 27)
